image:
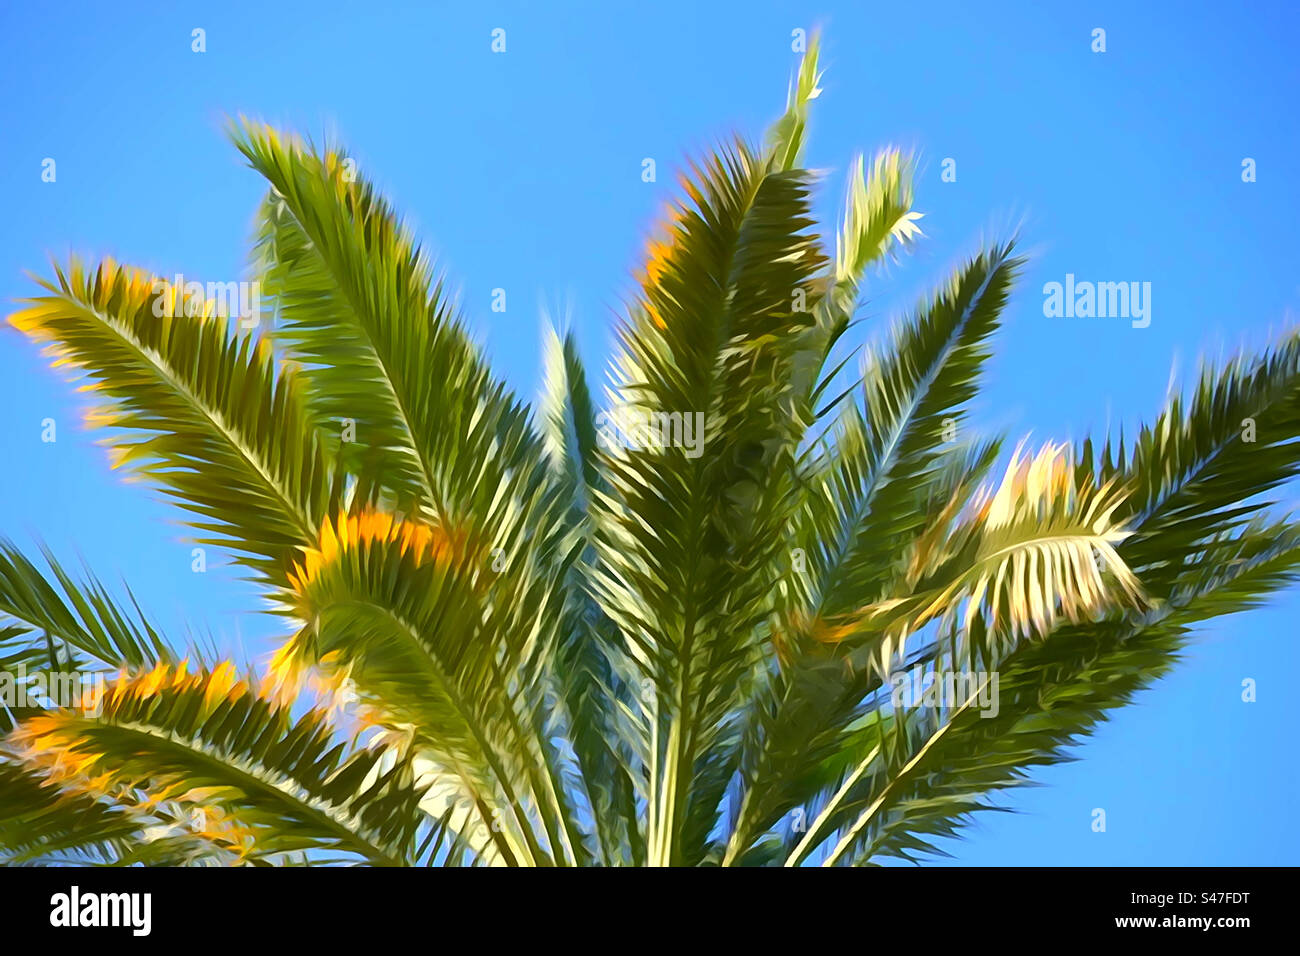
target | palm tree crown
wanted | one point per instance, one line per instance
(665, 630)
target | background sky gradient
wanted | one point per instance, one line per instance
(523, 171)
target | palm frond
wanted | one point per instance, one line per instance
(210, 740)
(885, 470)
(403, 609)
(785, 140)
(708, 345)
(569, 419)
(1038, 551)
(1050, 695)
(1205, 464)
(42, 822)
(52, 624)
(354, 301)
(198, 410)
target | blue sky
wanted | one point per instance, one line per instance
(523, 171)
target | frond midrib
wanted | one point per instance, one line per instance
(214, 418)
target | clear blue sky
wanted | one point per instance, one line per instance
(523, 171)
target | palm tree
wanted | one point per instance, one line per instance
(524, 639)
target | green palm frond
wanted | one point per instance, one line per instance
(586, 680)
(686, 540)
(403, 610)
(569, 419)
(353, 300)
(1204, 465)
(64, 822)
(871, 489)
(212, 742)
(879, 220)
(1037, 552)
(437, 437)
(42, 822)
(71, 622)
(1050, 695)
(886, 449)
(786, 138)
(198, 410)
